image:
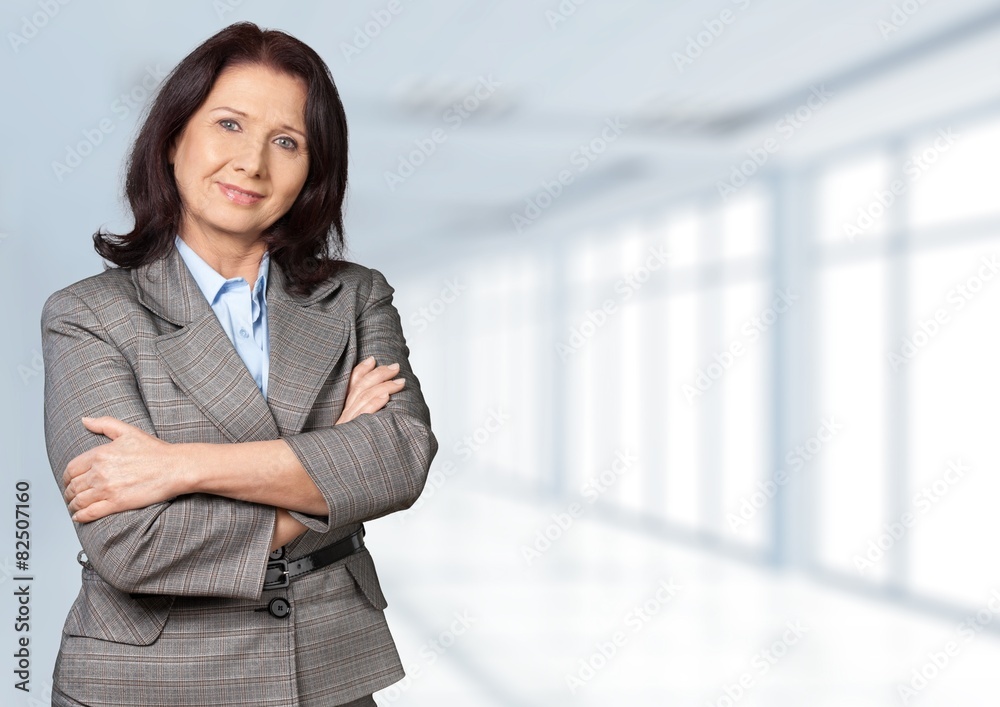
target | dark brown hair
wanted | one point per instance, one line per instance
(308, 241)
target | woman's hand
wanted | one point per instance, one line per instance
(369, 389)
(130, 472)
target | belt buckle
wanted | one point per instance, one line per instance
(282, 579)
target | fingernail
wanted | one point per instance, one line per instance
(393, 365)
(399, 380)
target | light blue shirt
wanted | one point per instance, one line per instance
(242, 313)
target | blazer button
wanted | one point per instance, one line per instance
(278, 554)
(279, 607)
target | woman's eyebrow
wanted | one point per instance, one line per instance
(289, 128)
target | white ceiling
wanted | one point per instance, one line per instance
(558, 85)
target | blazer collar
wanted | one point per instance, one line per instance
(307, 337)
(168, 289)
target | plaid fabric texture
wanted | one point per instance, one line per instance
(173, 611)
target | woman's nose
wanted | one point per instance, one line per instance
(252, 159)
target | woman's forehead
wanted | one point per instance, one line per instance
(259, 91)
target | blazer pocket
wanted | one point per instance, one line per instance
(362, 569)
(109, 614)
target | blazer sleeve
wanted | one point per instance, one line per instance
(196, 544)
(377, 463)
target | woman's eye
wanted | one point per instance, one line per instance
(287, 143)
(229, 124)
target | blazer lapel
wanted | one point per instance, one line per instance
(304, 347)
(308, 337)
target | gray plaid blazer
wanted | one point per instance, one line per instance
(171, 610)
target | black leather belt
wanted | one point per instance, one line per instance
(280, 571)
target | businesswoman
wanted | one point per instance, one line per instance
(228, 405)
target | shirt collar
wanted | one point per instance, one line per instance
(210, 281)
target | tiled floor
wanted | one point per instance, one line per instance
(659, 624)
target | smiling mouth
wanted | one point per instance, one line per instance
(240, 196)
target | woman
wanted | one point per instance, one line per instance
(226, 407)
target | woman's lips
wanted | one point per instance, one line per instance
(240, 196)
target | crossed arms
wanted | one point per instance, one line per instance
(200, 519)
(137, 470)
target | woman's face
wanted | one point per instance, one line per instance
(241, 160)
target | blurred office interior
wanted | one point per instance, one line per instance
(702, 299)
